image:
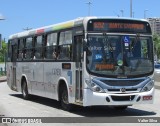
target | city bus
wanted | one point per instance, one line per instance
(90, 61)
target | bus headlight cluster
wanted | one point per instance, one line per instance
(148, 86)
(94, 87)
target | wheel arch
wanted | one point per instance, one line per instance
(61, 83)
(24, 78)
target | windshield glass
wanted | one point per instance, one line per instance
(119, 55)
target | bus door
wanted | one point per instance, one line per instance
(13, 67)
(78, 70)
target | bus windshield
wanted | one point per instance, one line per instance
(119, 55)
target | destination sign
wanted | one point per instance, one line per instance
(126, 26)
(119, 25)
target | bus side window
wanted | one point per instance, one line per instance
(65, 45)
(9, 51)
(38, 50)
(14, 47)
(20, 49)
(28, 49)
(50, 49)
(24, 49)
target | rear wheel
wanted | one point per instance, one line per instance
(64, 100)
(25, 93)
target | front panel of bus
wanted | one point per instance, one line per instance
(119, 62)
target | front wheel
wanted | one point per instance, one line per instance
(25, 93)
(64, 100)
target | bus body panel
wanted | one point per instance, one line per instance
(37, 83)
(90, 96)
(44, 82)
(9, 74)
(53, 73)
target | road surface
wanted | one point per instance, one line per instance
(13, 105)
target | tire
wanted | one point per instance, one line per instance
(25, 93)
(64, 100)
(120, 107)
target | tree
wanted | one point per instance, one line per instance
(156, 40)
(3, 51)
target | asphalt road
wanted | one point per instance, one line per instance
(13, 105)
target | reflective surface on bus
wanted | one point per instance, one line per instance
(116, 55)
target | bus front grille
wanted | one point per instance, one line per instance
(118, 90)
(123, 98)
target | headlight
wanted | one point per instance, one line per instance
(148, 86)
(94, 87)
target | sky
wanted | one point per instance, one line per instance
(22, 14)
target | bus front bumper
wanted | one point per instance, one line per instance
(107, 99)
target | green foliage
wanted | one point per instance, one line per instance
(3, 51)
(156, 40)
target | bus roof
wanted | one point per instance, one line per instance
(64, 25)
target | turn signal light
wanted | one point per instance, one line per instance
(147, 98)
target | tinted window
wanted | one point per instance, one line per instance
(38, 50)
(65, 38)
(39, 41)
(20, 49)
(29, 42)
(50, 50)
(28, 49)
(65, 46)
(51, 39)
(9, 50)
